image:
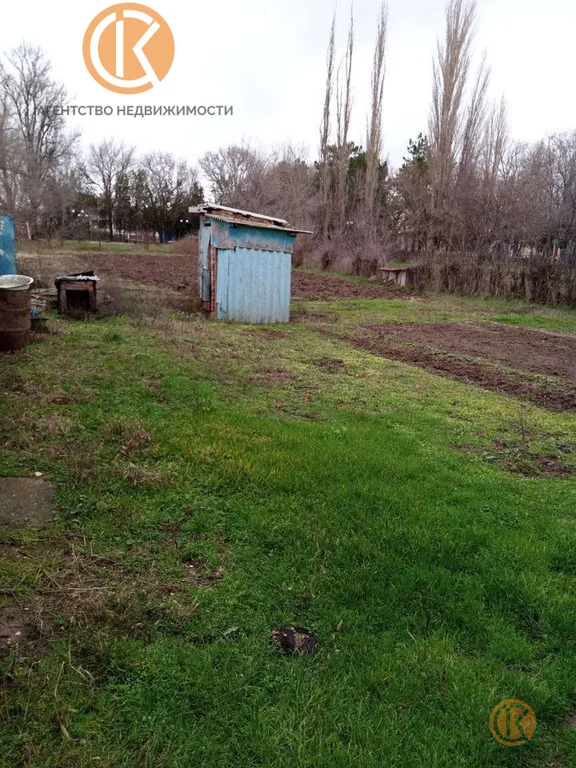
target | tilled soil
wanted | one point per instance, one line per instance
(326, 287)
(447, 349)
(176, 272)
(529, 350)
(179, 272)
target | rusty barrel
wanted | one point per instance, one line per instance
(15, 321)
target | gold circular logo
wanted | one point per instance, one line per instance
(128, 48)
(513, 723)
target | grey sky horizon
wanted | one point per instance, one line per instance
(268, 62)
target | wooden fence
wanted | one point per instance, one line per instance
(534, 280)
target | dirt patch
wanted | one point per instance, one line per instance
(26, 501)
(327, 287)
(436, 347)
(273, 378)
(550, 466)
(198, 572)
(523, 461)
(106, 596)
(475, 373)
(30, 551)
(331, 365)
(179, 272)
(167, 271)
(13, 630)
(528, 350)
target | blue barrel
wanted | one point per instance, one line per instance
(7, 249)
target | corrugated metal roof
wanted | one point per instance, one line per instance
(245, 218)
(208, 207)
(259, 224)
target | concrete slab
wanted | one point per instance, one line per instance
(26, 501)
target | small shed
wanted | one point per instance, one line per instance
(244, 264)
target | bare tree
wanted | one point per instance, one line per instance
(343, 116)
(172, 186)
(278, 183)
(325, 130)
(561, 188)
(286, 186)
(9, 158)
(374, 134)
(63, 191)
(491, 205)
(462, 199)
(473, 123)
(105, 163)
(451, 73)
(495, 141)
(233, 173)
(411, 197)
(34, 141)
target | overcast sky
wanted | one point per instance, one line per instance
(267, 59)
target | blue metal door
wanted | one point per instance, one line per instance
(253, 286)
(7, 258)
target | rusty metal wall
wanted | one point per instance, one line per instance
(229, 235)
(15, 319)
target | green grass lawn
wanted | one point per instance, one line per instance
(217, 481)
(449, 308)
(91, 246)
